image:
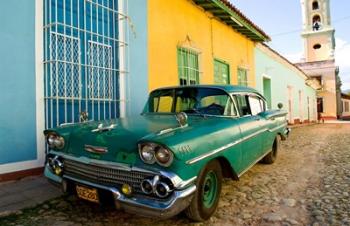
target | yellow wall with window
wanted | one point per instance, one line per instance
(182, 23)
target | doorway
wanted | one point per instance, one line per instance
(267, 91)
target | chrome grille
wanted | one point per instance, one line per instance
(105, 176)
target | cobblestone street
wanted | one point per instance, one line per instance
(308, 185)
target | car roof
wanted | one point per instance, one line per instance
(227, 88)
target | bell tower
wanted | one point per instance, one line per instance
(318, 33)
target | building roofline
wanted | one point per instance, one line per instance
(345, 96)
(306, 77)
(233, 17)
(315, 62)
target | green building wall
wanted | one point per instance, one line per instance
(287, 85)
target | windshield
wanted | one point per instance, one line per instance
(202, 101)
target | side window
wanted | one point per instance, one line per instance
(230, 109)
(243, 107)
(255, 105)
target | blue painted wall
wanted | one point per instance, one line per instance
(17, 81)
(138, 76)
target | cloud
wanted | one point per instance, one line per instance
(342, 58)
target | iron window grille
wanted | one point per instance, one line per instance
(82, 50)
(188, 66)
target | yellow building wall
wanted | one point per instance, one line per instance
(182, 23)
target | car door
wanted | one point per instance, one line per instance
(251, 127)
(267, 124)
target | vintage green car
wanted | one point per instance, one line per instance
(173, 156)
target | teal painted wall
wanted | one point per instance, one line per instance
(138, 57)
(282, 77)
(17, 81)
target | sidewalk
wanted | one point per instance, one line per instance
(25, 193)
(337, 122)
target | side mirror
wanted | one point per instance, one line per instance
(280, 106)
(181, 118)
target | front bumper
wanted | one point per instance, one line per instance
(148, 207)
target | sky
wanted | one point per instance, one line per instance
(282, 21)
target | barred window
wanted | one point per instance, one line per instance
(188, 67)
(221, 72)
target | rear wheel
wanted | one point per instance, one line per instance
(206, 198)
(272, 155)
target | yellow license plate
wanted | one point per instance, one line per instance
(89, 194)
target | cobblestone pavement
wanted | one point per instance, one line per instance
(308, 185)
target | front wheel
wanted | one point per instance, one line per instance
(272, 155)
(206, 198)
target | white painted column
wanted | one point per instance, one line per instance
(122, 56)
(39, 75)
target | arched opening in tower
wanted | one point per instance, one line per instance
(315, 5)
(316, 23)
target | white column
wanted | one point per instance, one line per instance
(122, 63)
(39, 75)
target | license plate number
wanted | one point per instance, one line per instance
(89, 194)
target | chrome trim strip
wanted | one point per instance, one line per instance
(201, 157)
(101, 128)
(164, 131)
(95, 149)
(86, 160)
(253, 134)
(183, 184)
(277, 128)
(218, 150)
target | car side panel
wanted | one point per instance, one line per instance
(251, 135)
(195, 147)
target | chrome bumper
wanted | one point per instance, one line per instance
(147, 207)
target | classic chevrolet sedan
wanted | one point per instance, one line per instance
(172, 157)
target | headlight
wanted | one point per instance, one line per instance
(151, 153)
(147, 153)
(164, 157)
(55, 141)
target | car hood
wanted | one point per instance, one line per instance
(120, 142)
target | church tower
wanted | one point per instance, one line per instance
(318, 33)
(319, 60)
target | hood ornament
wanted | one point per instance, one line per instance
(101, 128)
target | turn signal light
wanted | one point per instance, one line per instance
(126, 189)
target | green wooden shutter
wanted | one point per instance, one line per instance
(221, 72)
